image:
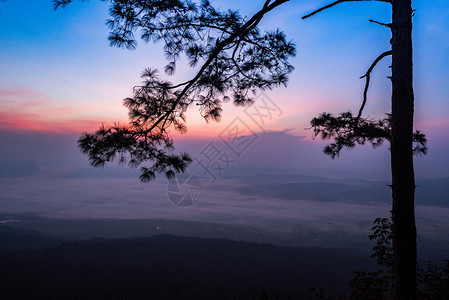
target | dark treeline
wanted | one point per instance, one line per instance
(170, 267)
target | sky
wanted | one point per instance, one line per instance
(59, 74)
(59, 77)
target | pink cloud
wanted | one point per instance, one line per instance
(32, 99)
(24, 109)
(30, 122)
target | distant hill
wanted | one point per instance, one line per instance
(14, 239)
(171, 267)
(81, 229)
(429, 192)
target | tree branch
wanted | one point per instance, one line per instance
(368, 78)
(335, 3)
(380, 23)
(266, 3)
(248, 26)
(235, 63)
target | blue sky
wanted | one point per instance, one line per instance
(64, 57)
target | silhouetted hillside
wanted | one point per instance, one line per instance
(429, 192)
(170, 267)
(13, 239)
(82, 229)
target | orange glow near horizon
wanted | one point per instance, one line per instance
(23, 109)
(28, 122)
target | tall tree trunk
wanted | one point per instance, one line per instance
(403, 177)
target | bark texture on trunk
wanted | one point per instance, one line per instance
(403, 178)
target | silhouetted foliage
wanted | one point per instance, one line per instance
(234, 59)
(433, 280)
(377, 284)
(383, 251)
(348, 130)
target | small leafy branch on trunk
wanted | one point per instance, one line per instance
(433, 280)
(348, 131)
